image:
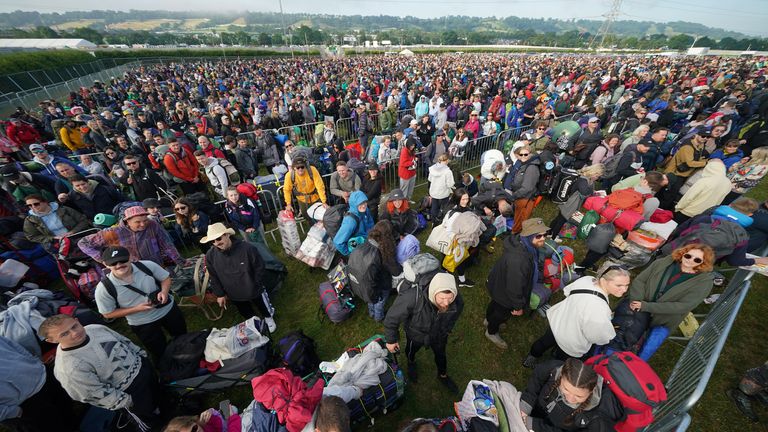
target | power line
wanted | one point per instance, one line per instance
(605, 29)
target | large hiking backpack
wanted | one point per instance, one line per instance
(723, 236)
(564, 185)
(548, 175)
(232, 174)
(335, 303)
(635, 385)
(334, 216)
(362, 273)
(298, 353)
(611, 165)
(626, 199)
(418, 271)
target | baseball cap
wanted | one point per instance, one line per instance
(397, 194)
(9, 172)
(36, 148)
(115, 254)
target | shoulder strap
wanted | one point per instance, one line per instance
(586, 291)
(112, 291)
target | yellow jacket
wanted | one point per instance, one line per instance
(72, 138)
(308, 189)
(690, 155)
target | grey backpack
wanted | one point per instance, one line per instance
(417, 266)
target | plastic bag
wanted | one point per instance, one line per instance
(289, 233)
(589, 221)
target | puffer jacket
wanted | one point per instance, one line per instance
(266, 147)
(548, 412)
(350, 227)
(522, 184)
(420, 318)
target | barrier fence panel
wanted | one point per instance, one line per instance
(304, 132)
(693, 370)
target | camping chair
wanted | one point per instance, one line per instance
(190, 284)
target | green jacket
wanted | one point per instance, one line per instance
(387, 120)
(36, 231)
(669, 309)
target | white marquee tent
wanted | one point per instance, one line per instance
(46, 44)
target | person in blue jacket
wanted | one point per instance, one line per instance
(355, 225)
(729, 153)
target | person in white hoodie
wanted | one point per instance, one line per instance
(216, 173)
(441, 185)
(583, 318)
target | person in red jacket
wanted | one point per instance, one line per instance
(407, 167)
(207, 147)
(183, 166)
(21, 133)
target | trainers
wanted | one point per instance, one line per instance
(743, 403)
(502, 326)
(271, 324)
(529, 362)
(496, 339)
(558, 240)
(542, 310)
(413, 372)
(468, 283)
(448, 383)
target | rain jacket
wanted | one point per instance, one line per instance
(351, 228)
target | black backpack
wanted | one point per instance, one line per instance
(362, 273)
(564, 185)
(334, 216)
(298, 353)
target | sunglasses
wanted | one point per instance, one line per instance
(697, 260)
(541, 236)
(473, 115)
(524, 154)
(300, 168)
(180, 208)
(220, 239)
(131, 163)
(541, 128)
(119, 262)
(35, 204)
(38, 151)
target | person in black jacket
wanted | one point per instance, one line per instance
(92, 197)
(372, 266)
(372, 186)
(399, 214)
(144, 182)
(631, 163)
(584, 186)
(512, 278)
(428, 314)
(568, 396)
(236, 273)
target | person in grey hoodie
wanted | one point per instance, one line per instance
(26, 391)
(343, 182)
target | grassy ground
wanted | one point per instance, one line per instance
(471, 356)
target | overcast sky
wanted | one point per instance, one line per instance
(746, 16)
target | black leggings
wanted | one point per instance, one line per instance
(496, 315)
(438, 349)
(548, 341)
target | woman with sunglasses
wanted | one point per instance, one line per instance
(669, 288)
(520, 181)
(191, 223)
(583, 318)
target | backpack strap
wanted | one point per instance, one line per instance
(112, 291)
(586, 291)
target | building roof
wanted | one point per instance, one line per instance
(46, 43)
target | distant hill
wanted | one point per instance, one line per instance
(112, 21)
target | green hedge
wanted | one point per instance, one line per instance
(197, 52)
(51, 59)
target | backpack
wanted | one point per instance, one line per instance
(547, 178)
(112, 290)
(232, 174)
(627, 199)
(611, 165)
(337, 304)
(362, 273)
(635, 384)
(334, 216)
(723, 236)
(563, 186)
(298, 353)
(418, 270)
(357, 166)
(252, 193)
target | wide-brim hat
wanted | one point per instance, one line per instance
(533, 226)
(215, 231)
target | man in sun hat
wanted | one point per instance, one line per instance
(513, 277)
(236, 273)
(144, 238)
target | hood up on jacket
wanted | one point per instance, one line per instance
(442, 282)
(355, 199)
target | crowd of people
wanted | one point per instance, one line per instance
(132, 170)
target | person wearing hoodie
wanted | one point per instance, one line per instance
(47, 222)
(145, 239)
(422, 107)
(21, 184)
(583, 319)
(355, 225)
(568, 396)
(513, 277)
(708, 191)
(441, 184)
(216, 173)
(520, 182)
(428, 313)
(91, 197)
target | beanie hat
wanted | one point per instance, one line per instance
(442, 282)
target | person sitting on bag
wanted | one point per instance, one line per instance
(355, 225)
(582, 187)
(398, 212)
(513, 277)
(236, 272)
(372, 266)
(305, 183)
(583, 318)
(671, 287)
(429, 315)
(568, 396)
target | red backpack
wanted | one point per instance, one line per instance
(627, 199)
(635, 384)
(248, 190)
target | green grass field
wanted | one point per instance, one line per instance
(471, 356)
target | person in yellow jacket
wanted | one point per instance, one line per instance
(71, 137)
(306, 184)
(690, 157)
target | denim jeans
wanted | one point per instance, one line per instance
(376, 310)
